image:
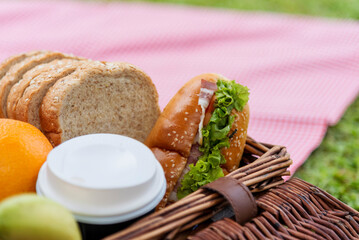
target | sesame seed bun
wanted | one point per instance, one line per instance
(173, 135)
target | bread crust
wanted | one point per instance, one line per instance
(16, 73)
(52, 103)
(9, 62)
(237, 142)
(36, 87)
(173, 165)
(8, 65)
(19, 88)
(177, 126)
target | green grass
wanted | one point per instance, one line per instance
(334, 166)
(326, 8)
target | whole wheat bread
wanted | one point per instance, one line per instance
(17, 90)
(27, 108)
(16, 72)
(100, 98)
(9, 62)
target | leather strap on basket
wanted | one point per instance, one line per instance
(238, 195)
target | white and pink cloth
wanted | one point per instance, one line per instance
(302, 72)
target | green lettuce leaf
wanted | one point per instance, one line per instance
(229, 95)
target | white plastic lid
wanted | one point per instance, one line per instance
(103, 178)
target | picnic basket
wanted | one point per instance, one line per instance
(291, 210)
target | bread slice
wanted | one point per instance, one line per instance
(16, 72)
(100, 98)
(8, 63)
(27, 108)
(18, 89)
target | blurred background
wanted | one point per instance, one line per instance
(325, 8)
(334, 165)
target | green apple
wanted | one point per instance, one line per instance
(31, 217)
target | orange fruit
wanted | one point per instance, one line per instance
(23, 149)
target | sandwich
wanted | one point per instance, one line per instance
(201, 134)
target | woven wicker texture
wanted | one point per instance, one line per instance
(294, 210)
(264, 166)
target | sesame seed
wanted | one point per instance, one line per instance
(185, 119)
(186, 113)
(173, 165)
(169, 134)
(174, 131)
(185, 132)
(182, 137)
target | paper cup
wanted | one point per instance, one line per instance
(105, 180)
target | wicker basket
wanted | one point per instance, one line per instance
(294, 210)
(291, 210)
(263, 166)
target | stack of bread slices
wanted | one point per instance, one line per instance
(66, 96)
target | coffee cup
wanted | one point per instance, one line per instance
(106, 180)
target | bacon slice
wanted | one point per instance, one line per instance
(206, 94)
(209, 111)
(208, 85)
(192, 158)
